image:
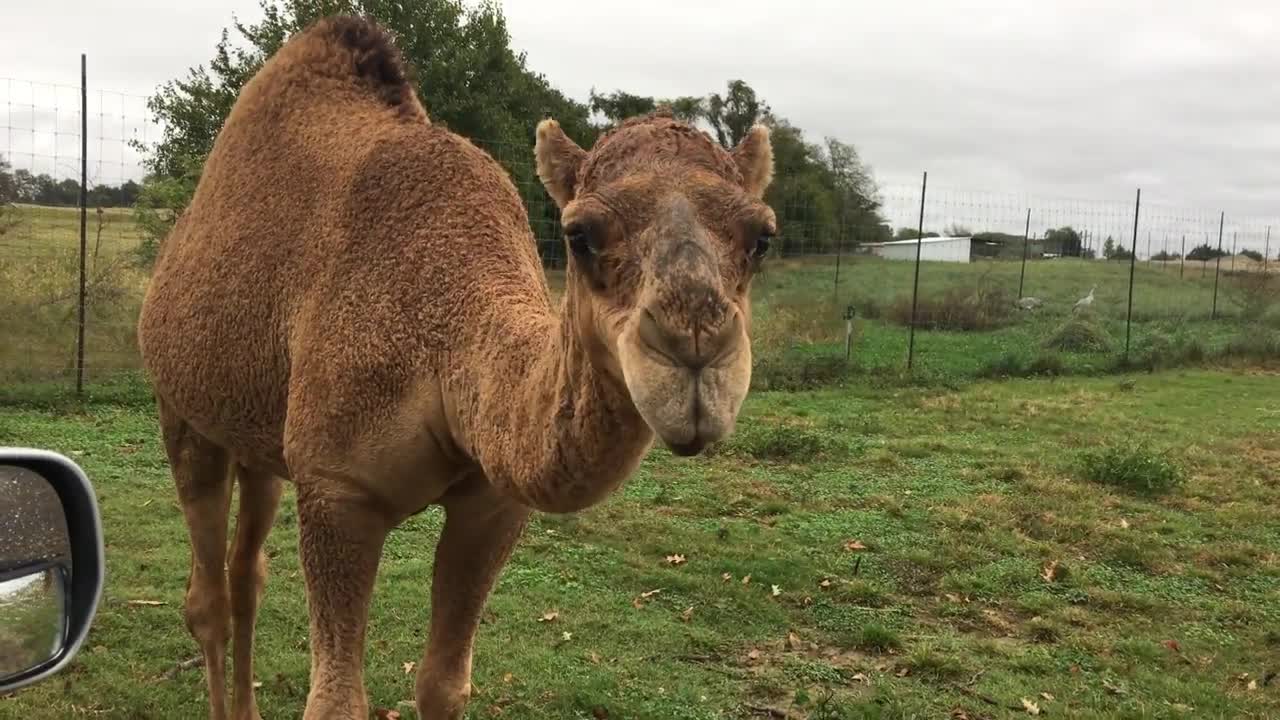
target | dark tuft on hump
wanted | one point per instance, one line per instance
(377, 60)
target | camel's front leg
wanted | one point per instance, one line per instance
(480, 529)
(341, 535)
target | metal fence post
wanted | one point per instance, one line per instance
(915, 288)
(1182, 259)
(1026, 233)
(1266, 251)
(835, 293)
(1217, 266)
(1133, 264)
(84, 214)
(1233, 251)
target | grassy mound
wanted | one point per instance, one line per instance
(1081, 334)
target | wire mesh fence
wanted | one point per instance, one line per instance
(1008, 283)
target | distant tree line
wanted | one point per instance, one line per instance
(21, 186)
(472, 81)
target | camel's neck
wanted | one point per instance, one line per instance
(545, 423)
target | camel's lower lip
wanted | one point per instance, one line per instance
(688, 449)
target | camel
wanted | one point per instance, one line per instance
(353, 303)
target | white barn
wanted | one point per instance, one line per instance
(935, 249)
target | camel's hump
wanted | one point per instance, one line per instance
(360, 49)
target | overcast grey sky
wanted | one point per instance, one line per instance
(1051, 98)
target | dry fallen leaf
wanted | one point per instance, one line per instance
(775, 590)
(753, 656)
(257, 684)
(793, 641)
(549, 616)
(1030, 707)
(566, 636)
(1253, 685)
(385, 714)
(1113, 689)
(508, 678)
(860, 677)
(594, 657)
(1124, 524)
(826, 583)
(599, 713)
(1048, 697)
(408, 667)
(640, 600)
(854, 545)
(726, 577)
(147, 603)
(1050, 571)
(903, 671)
(1181, 707)
(675, 559)
(687, 615)
(746, 579)
(1172, 645)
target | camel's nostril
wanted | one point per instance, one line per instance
(695, 349)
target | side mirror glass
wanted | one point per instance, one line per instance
(51, 564)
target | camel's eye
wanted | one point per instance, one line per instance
(580, 242)
(762, 245)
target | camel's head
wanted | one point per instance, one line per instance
(665, 230)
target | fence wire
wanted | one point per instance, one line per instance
(1009, 283)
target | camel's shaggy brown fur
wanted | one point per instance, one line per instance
(353, 302)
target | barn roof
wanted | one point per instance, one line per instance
(925, 241)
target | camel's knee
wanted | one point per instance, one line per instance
(208, 613)
(247, 573)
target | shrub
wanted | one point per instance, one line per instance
(795, 371)
(1080, 333)
(1133, 468)
(1253, 255)
(1046, 364)
(1008, 365)
(957, 308)
(1258, 344)
(778, 441)
(874, 637)
(1255, 294)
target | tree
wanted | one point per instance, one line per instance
(460, 55)
(1253, 255)
(1112, 250)
(824, 194)
(1065, 239)
(688, 108)
(1206, 252)
(732, 115)
(8, 187)
(618, 105)
(910, 233)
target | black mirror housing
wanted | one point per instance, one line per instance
(83, 540)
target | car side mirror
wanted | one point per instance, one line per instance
(51, 564)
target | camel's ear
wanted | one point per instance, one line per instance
(754, 156)
(558, 161)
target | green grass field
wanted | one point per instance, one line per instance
(864, 552)
(799, 306)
